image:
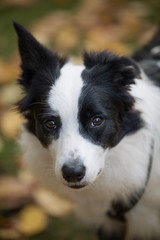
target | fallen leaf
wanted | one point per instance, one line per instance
(46, 28)
(31, 220)
(67, 37)
(119, 48)
(22, 3)
(9, 94)
(100, 38)
(8, 71)
(52, 203)
(10, 233)
(14, 193)
(5, 222)
(10, 123)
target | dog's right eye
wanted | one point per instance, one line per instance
(96, 121)
(50, 124)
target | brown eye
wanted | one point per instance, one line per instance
(97, 121)
(51, 124)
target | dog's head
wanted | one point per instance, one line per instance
(76, 112)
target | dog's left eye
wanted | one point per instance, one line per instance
(50, 124)
(96, 121)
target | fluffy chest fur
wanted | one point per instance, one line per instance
(92, 133)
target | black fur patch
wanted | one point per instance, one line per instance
(40, 66)
(119, 208)
(145, 53)
(110, 236)
(150, 160)
(152, 69)
(106, 93)
(40, 69)
(149, 59)
(39, 115)
(118, 234)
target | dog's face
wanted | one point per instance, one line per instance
(77, 112)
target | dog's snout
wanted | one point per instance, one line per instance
(73, 172)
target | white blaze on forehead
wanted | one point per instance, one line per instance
(65, 93)
(63, 99)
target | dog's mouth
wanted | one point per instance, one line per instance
(76, 185)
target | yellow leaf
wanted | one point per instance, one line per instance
(32, 220)
(9, 71)
(118, 48)
(10, 123)
(67, 38)
(52, 203)
(100, 38)
(10, 94)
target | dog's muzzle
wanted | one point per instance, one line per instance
(73, 173)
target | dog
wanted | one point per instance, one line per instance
(92, 133)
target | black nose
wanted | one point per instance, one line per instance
(73, 172)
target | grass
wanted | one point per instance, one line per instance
(68, 228)
(8, 157)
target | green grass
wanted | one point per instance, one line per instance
(68, 228)
(8, 156)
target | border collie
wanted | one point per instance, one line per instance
(92, 133)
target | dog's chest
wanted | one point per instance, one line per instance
(91, 203)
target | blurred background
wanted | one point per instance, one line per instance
(27, 210)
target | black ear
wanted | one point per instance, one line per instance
(34, 56)
(31, 51)
(123, 70)
(126, 70)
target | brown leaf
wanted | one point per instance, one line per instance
(8, 71)
(9, 94)
(7, 3)
(14, 192)
(10, 123)
(100, 38)
(67, 38)
(10, 233)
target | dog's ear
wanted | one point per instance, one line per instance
(31, 51)
(123, 70)
(126, 70)
(34, 56)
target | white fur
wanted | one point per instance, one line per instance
(63, 99)
(124, 167)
